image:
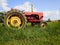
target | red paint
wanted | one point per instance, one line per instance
(34, 16)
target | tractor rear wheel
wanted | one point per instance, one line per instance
(15, 19)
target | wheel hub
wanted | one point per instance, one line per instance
(15, 21)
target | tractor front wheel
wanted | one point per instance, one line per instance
(43, 24)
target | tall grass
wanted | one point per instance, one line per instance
(31, 35)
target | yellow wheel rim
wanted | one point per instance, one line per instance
(14, 21)
(43, 25)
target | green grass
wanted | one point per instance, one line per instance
(31, 35)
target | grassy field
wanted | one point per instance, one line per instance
(31, 35)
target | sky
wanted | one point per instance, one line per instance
(50, 8)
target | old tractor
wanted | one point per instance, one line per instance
(18, 19)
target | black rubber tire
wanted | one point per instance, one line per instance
(15, 11)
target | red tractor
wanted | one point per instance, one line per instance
(18, 19)
(34, 17)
